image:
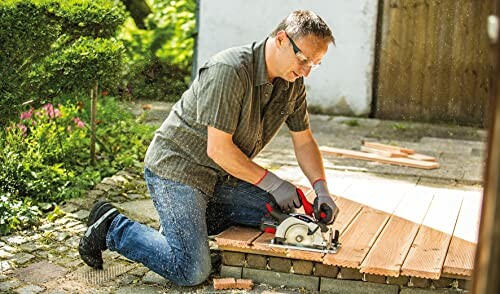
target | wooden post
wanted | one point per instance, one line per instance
(93, 114)
(487, 265)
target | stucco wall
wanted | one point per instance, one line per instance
(343, 83)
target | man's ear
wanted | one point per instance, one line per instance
(280, 38)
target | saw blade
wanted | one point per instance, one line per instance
(298, 235)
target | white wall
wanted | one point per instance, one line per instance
(343, 83)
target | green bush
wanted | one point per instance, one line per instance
(45, 155)
(160, 57)
(49, 46)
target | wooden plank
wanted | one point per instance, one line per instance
(239, 237)
(388, 147)
(358, 238)
(389, 251)
(426, 256)
(261, 246)
(375, 157)
(423, 157)
(382, 152)
(460, 257)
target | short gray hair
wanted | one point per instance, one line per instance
(301, 23)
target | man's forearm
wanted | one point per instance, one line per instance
(236, 163)
(309, 158)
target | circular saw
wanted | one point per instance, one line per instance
(299, 231)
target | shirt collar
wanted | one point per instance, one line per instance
(260, 68)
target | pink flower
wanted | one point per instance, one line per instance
(79, 123)
(27, 114)
(51, 111)
(23, 128)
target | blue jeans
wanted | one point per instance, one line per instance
(181, 252)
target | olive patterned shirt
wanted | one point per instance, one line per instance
(231, 93)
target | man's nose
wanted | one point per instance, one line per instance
(305, 70)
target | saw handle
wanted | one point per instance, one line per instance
(308, 207)
(276, 212)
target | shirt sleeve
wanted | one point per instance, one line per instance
(298, 120)
(219, 97)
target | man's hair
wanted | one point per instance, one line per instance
(301, 23)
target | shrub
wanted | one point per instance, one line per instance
(45, 155)
(47, 46)
(160, 57)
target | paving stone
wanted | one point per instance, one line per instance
(103, 187)
(10, 249)
(9, 285)
(81, 214)
(325, 270)
(93, 194)
(142, 211)
(3, 277)
(256, 261)
(153, 278)
(29, 247)
(133, 196)
(419, 282)
(358, 287)
(61, 236)
(302, 267)
(29, 289)
(5, 266)
(227, 271)
(350, 274)
(375, 278)
(40, 272)
(233, 258)
(69, 207)
(15, 240)
(405, 290)
(280, 264)
(143, 289)
(5, 255)
(442, 282)
(139, 271)
(278, 279)
(22, 258)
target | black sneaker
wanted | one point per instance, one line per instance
(94, 241)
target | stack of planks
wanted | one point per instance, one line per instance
(386, 154)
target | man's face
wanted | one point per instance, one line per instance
(299, 57)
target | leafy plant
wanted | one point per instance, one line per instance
(45, 156)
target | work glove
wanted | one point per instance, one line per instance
(283, 192)
(325, 210)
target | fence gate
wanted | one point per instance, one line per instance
(433, 61)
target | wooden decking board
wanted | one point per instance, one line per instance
(389, 251)
(388, 147)
(261, 246)
(358, 238)
(374, 157)
(236, 236)
(428, 251)
(460, 257)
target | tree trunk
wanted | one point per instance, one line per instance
(139, 10)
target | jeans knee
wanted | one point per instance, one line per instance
(194, 275)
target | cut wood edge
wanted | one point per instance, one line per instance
(422, 157)
(421, 274)
(380, 271)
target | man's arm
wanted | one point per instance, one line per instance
(226, 154)
(308, 155)
(311, 163)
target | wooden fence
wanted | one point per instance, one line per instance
(433, 61)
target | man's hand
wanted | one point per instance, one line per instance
(283, 192)
(325, 210)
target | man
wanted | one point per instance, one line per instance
(199, 167)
